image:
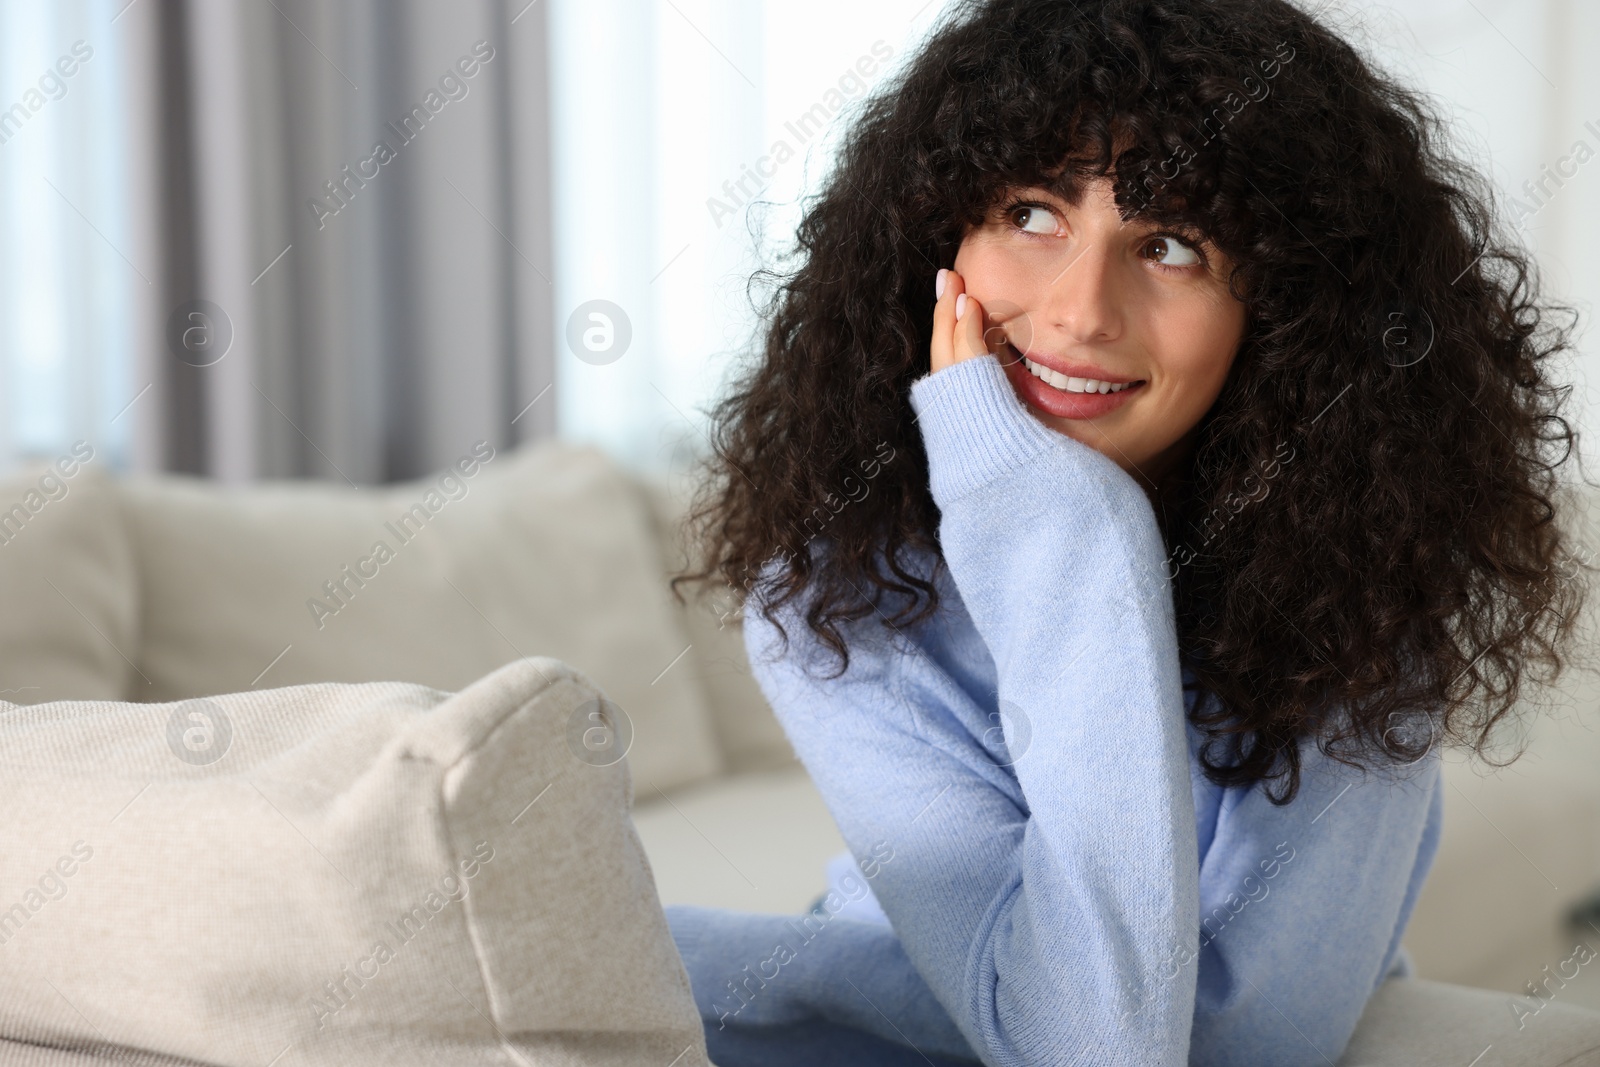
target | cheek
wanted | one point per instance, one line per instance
(996, 279)
(970, 261)
(987, 267)
(1198, 341)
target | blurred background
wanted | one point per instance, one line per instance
(335, 245)
(209, 265)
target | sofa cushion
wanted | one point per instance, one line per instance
(545, 550)
(748, 732)
(334, 874)
(759, 841)
(67, 579)
(1411, 1022)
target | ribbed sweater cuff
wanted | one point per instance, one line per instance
(974, 428)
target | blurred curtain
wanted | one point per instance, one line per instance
(686, 137)
(655, 107)
(348, 207)
(65, 279)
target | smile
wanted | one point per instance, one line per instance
(1060, 396)
(1072, 385)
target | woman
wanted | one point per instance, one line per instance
(1151, 469)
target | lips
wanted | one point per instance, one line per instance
(1070, 369)
(1059, 403)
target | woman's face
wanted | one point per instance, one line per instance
(1078, 292)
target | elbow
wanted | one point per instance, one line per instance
(1110, 1021)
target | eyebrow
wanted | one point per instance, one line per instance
(1074, 200)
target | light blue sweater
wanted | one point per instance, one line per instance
(1018, 786)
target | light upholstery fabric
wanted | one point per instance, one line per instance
(1412, 1022)
(332, 875)
(70, 628)
(749, 734)
(547, 550)
(758, 841)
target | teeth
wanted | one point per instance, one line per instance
(1071, 385)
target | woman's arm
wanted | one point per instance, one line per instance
(1044, 903)
(1302, 908)
(765, 984)
(1058, 557)
(1299, 908)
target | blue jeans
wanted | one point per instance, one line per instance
(808, 990)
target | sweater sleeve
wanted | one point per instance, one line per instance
(1057, 555)
(1042, 884)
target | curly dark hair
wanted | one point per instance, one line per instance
(1391, 398)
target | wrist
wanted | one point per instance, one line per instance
(974, 429)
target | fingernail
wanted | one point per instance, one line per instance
(961, 305)
(938, 283)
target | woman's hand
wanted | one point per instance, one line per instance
(957, 324)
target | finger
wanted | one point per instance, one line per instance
(969, 341)
(941, 351)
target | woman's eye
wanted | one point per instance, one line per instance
(1171, 252)
(1033, 219)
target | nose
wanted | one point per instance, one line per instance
(1083, 302)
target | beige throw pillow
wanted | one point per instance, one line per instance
(336, 874)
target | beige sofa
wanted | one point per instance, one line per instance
(168, 589)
